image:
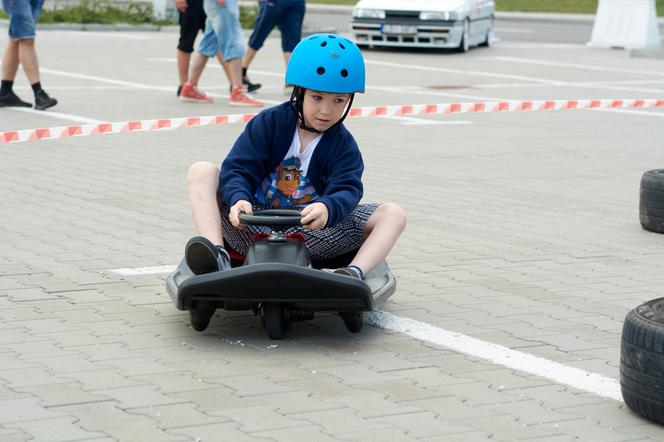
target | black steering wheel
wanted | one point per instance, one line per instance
(273, 217)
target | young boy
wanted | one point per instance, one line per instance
(303, 140)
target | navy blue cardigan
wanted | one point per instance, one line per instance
(335, 169)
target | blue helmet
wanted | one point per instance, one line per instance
(326, 63)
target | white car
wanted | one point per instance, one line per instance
(457, 24)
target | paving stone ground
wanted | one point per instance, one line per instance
(523, 231)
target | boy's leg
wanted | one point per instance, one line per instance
(382, 230)
(205, 253)
(202, 186)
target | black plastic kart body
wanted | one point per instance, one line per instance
(277, 280)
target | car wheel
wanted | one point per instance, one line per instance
(651, 204)
(489, 35)
(642, 360)
(464, 45)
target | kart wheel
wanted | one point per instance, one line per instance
(651, 204)
(353, 320)
(642, 359)
(200, 318)
(275, 321)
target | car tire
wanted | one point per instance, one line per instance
(489, 36)
(651, 203)
(464, 44)
(642, 360)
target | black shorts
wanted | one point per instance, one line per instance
(346, 235)
(192, 20)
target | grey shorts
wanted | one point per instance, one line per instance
(346, 235)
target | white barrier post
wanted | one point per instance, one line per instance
(628, 24)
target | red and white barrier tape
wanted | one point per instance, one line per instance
(86, 130)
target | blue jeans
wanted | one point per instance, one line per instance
(287, 14)
(23, 17)
(223, 22)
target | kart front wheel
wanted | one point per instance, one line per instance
(353, 320)
(275, 319)
(200, 318)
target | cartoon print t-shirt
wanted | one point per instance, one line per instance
(288, 185)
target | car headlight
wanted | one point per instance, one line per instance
(368, 13)
(445, 16)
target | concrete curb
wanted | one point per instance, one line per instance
(647, 53)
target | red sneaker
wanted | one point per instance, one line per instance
(240, 98)
(191, 93)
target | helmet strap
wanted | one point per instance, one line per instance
(297, 98)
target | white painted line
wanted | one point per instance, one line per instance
(429, 92)
(106, 35)
(133, 85)
(105, 80)
(410, 121)
(143, 270)
(585, 67)
(515, 45)
(514, 31)
(634, 112)
(580, 379)
(57, 115)
(79, 88)
(463, 72)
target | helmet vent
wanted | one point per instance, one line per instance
(342, 46)
(344, 73)
(332, 36)
(321, 70)
(322, 45)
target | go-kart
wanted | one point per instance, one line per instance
(277, 280)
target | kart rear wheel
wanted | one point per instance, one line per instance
(354, 321)
(275, 321)
(200, 318)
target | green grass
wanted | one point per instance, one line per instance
(102, 11)
(570, 6)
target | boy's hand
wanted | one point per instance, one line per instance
(181, 5)
(242, 206)
(314, 216)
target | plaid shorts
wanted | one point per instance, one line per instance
(346, 235)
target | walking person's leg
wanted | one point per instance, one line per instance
(207, 48)
(226, 22)
(189, 20)
(10, 64)
(266, 20)
(23, 16)
(290, 25)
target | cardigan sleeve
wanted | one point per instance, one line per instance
(343, 181)
(245, 166)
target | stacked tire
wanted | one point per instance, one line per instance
(642, 360)
(651, 206)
